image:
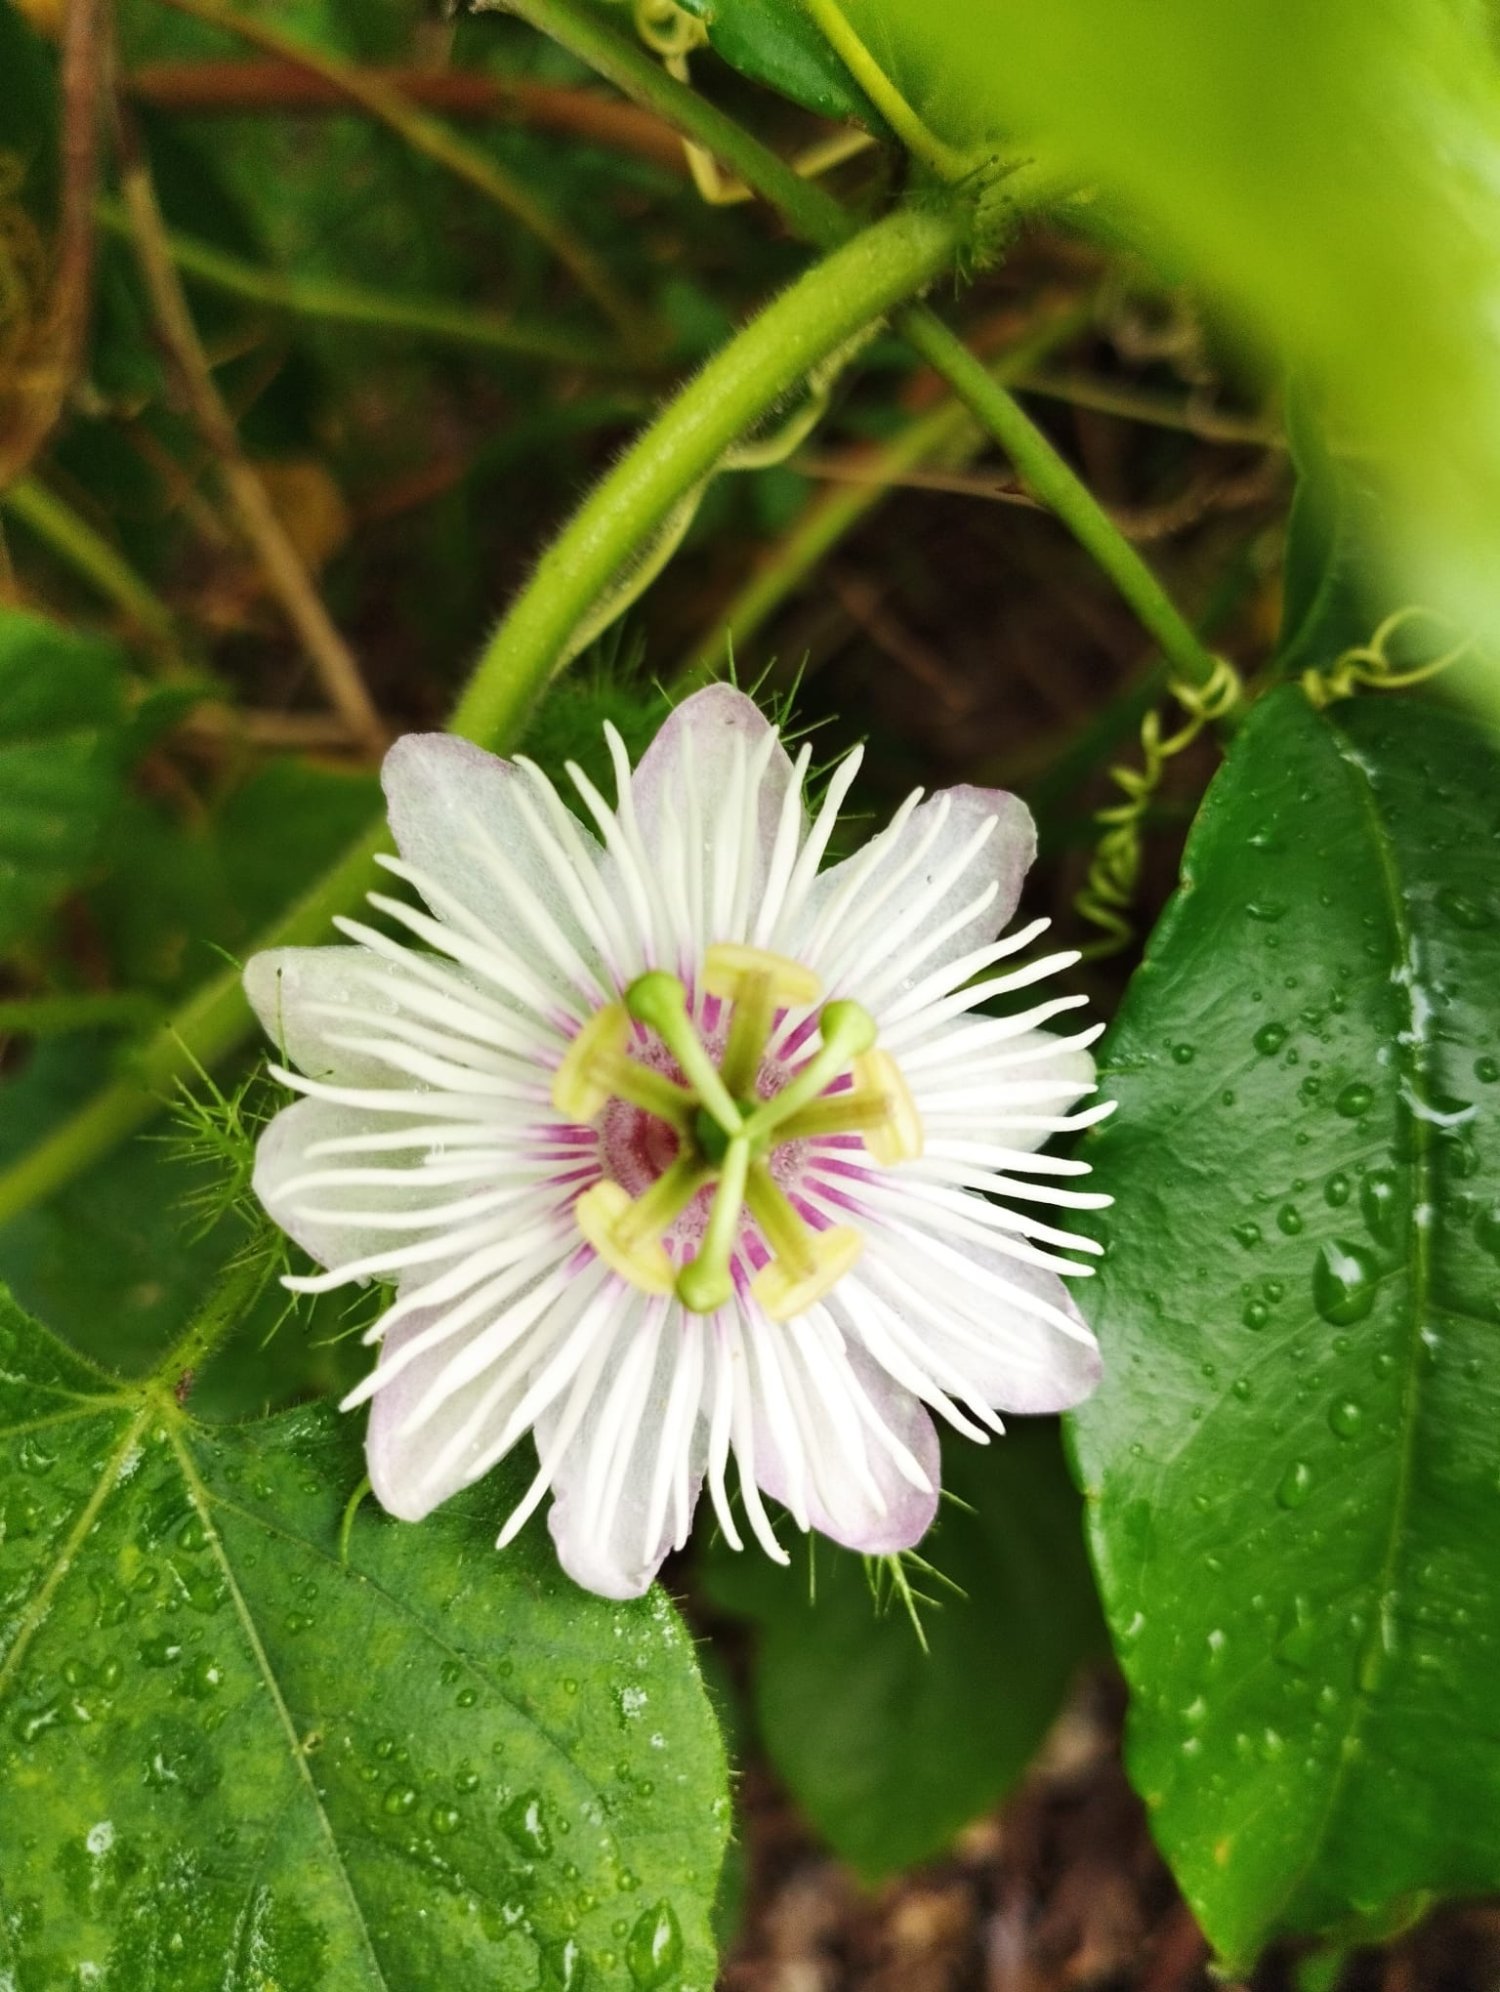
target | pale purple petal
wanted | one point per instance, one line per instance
(285, 1182)
(639, 1436)
(298, 995)
(716, 779)
(887, 918)
(826, 1460)
(460, 819)
(1011, 1331)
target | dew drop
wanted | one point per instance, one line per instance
(1268, 910)
(1345, 1417)
(1461, 910)
(1487, 1070)
(1377, 1204)
(1295, 1484)
(1256, 1314)
(1184, 1054)
(1355, 1099)
(1248, 1233)
(1289, 1220)
(400, 1799)
(653, 1950)
(1337, 1189)
(1343, 1282)
(526, 1824)
(1269, 1039)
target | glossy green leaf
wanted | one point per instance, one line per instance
(1326, 171)
(779, 46)
(1293, 1466)
(61, 733)
(234, 1759)
(890, 1749)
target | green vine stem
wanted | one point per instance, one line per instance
(341, 303)
(946, 434)
(1053, 480)
(90, 555)
(837, 299)
(822, 311)
(839, 32)
(815, 214)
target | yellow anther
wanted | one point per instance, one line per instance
(601, 1213)
(729, 964)
(784, 1291)
(758, 984)
(898, 1137)
(580, 1087)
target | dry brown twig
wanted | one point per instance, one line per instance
(216, 88)
(334, 663)
(51, 359)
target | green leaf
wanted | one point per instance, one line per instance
(890, 1749)
(778, 45)
(1293, 1466)
(236, 1760)
(61, 729)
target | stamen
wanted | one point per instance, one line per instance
(758, 983)
(791, 1240)
(837, 1113)
(654, 1092)
(847, 1030)
(782, 1294)
(577, 1092)
(627, 1232)
(899, 1137)
(707, 1282)
(658, 1000)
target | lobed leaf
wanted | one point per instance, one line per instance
(1293, 1466)
(233, 1759)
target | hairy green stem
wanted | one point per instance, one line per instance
(231, 1300)
(851, 289)
(341, 303)
(817, 315)
(947, 433)
(816, 215)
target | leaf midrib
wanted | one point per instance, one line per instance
(1409, 1066)
(203, 1504)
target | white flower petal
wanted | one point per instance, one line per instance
(400, 1464)
(297, 993)
(840, 1444)
(962, 889)
(458, 817)
(611, 1526)
(422, 1446)
(1011, 1330)
(708, 797)
(282, 1165)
